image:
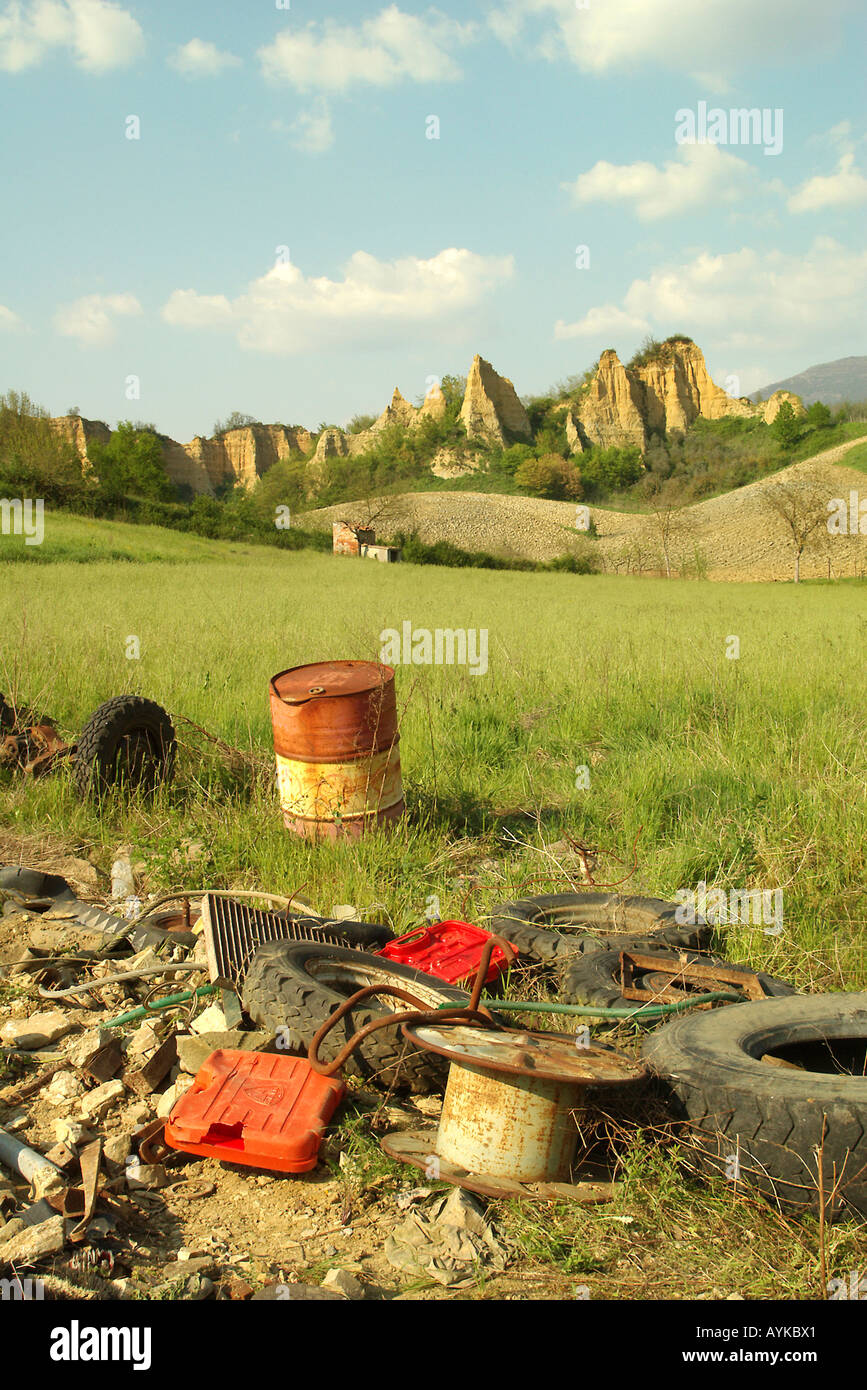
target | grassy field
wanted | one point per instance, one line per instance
(745, 772)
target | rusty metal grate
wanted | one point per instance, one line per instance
(233, 933)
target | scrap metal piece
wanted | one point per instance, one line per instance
(633, 963)
(233, 932)
(146, 1079)
(419, 1147)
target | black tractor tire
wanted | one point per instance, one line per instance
(562, 924)
(297, 985)
(594, 977)
(129, 742)
(765, 1123)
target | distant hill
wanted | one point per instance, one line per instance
(831, 382)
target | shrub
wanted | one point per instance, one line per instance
(612, 468)
(550, 476)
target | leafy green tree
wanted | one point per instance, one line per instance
(131, 465)
(35, 459)
(786, 428)
(236, 421)
(612, 468)
(819, 416)
(359, 423)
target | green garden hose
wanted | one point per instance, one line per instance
(652, 1012)
(169, 1002)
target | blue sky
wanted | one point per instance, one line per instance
(284, 239)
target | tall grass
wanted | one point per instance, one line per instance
(743, 773)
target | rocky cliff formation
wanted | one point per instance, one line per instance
(626, 405)
(620, 405)
(79, 432)
(492, 412)
(239, 456)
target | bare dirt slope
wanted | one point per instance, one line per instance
(734, 536)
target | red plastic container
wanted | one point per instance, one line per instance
(258, 1108)
(450, 950)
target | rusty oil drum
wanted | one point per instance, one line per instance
(336, 744)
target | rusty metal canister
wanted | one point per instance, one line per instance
(336, 744)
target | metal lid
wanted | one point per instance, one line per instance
(323, 678)
(548, 1056)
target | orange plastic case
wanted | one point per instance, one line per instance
(258, 1108)
(451, 951)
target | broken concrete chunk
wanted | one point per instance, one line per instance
(64, 1087)
(71, 1132)
(211, 1020)
(36, 1031)
(145, 1175)
(117, 1150)
(82, 1048)
(97, 1103)
(145, 1039)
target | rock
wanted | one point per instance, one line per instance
(295, 1293)
(332, 444)
(771, 407)
(344, 1282)
(36, 1031)
(145, 1176)
(65, 1087)
(194, 1050)
(611, 410)
(146, 1039)
(34, 1242)
(625, 405)
(211, 1020)
(492, 412)
(398, 412)
(71, 1132)
(166, 1101)
(85, 1047)
(97, 1103)
(434, 405)
(117, 1149)
(574, 433)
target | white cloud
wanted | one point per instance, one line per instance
(845, 188)
(751, 299)
(701, 39)
(100, 35)
(379, 52)
(91, 319)
(603, 321)
(285, 311)
(699, 177)
(9, 321)
(201, 58)
(312, 131)
(192, 310)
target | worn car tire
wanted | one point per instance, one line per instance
(129, 742)
(774, 1118)
(563, 924)
(297, 985)
(594, 977)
